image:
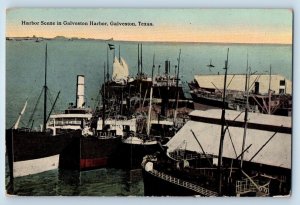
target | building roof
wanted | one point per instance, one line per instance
(254, 118)
(277, 151)
(237, 82)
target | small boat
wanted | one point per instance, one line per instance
(134, 148)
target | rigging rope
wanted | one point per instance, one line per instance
(34, 109)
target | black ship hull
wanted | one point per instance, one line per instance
(209, 101)
(166, 96)
(131, 155)
(155, 186)
(159, 89)
(85, 153)
(161, 178)
(34, 152)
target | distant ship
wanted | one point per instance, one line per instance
(262, 100)
(167, 87)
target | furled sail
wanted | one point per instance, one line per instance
(125, 67)
(20, 115)
(120, 71)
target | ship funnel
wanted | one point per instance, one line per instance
(80, 92)
(167, 66)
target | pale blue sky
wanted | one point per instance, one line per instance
(202, 25)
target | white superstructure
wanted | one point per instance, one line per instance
(75, 117)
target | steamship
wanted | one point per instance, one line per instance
(133, 93)
(97, 145)
(122, 103)
(136, 97)
(268, 94)
(167, 87)
(160, 97)
(30, 151)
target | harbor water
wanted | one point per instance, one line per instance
(99, 182)
(25, 63)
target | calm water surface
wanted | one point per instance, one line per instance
(99, 182)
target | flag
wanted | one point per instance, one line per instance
(111, 46)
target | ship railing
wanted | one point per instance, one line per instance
(181, 155)
(202, 191)
(187, 157)
(73, 122)
(246, 186)
(165, 83)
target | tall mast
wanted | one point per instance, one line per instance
(113, 60)
(150, 102)
(220, 163)
(270, 78)
(138, 59)
(45, 93)
(103, 100)
(141, 58)
(246, 83)
(269, 92)
(52, 108)
(246, 111)
(177, 82)
(119, 54)
(139, 77)
(107, 63)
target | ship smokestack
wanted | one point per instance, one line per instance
(80, 92)
(167, 66)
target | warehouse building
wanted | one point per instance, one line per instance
(259, 84)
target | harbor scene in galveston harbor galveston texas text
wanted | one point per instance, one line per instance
(149, 102)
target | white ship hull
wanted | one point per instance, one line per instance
(34, 166)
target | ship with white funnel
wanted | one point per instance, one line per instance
(31, 151)
(100, 137)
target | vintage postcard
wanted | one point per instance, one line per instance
(149, 102)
